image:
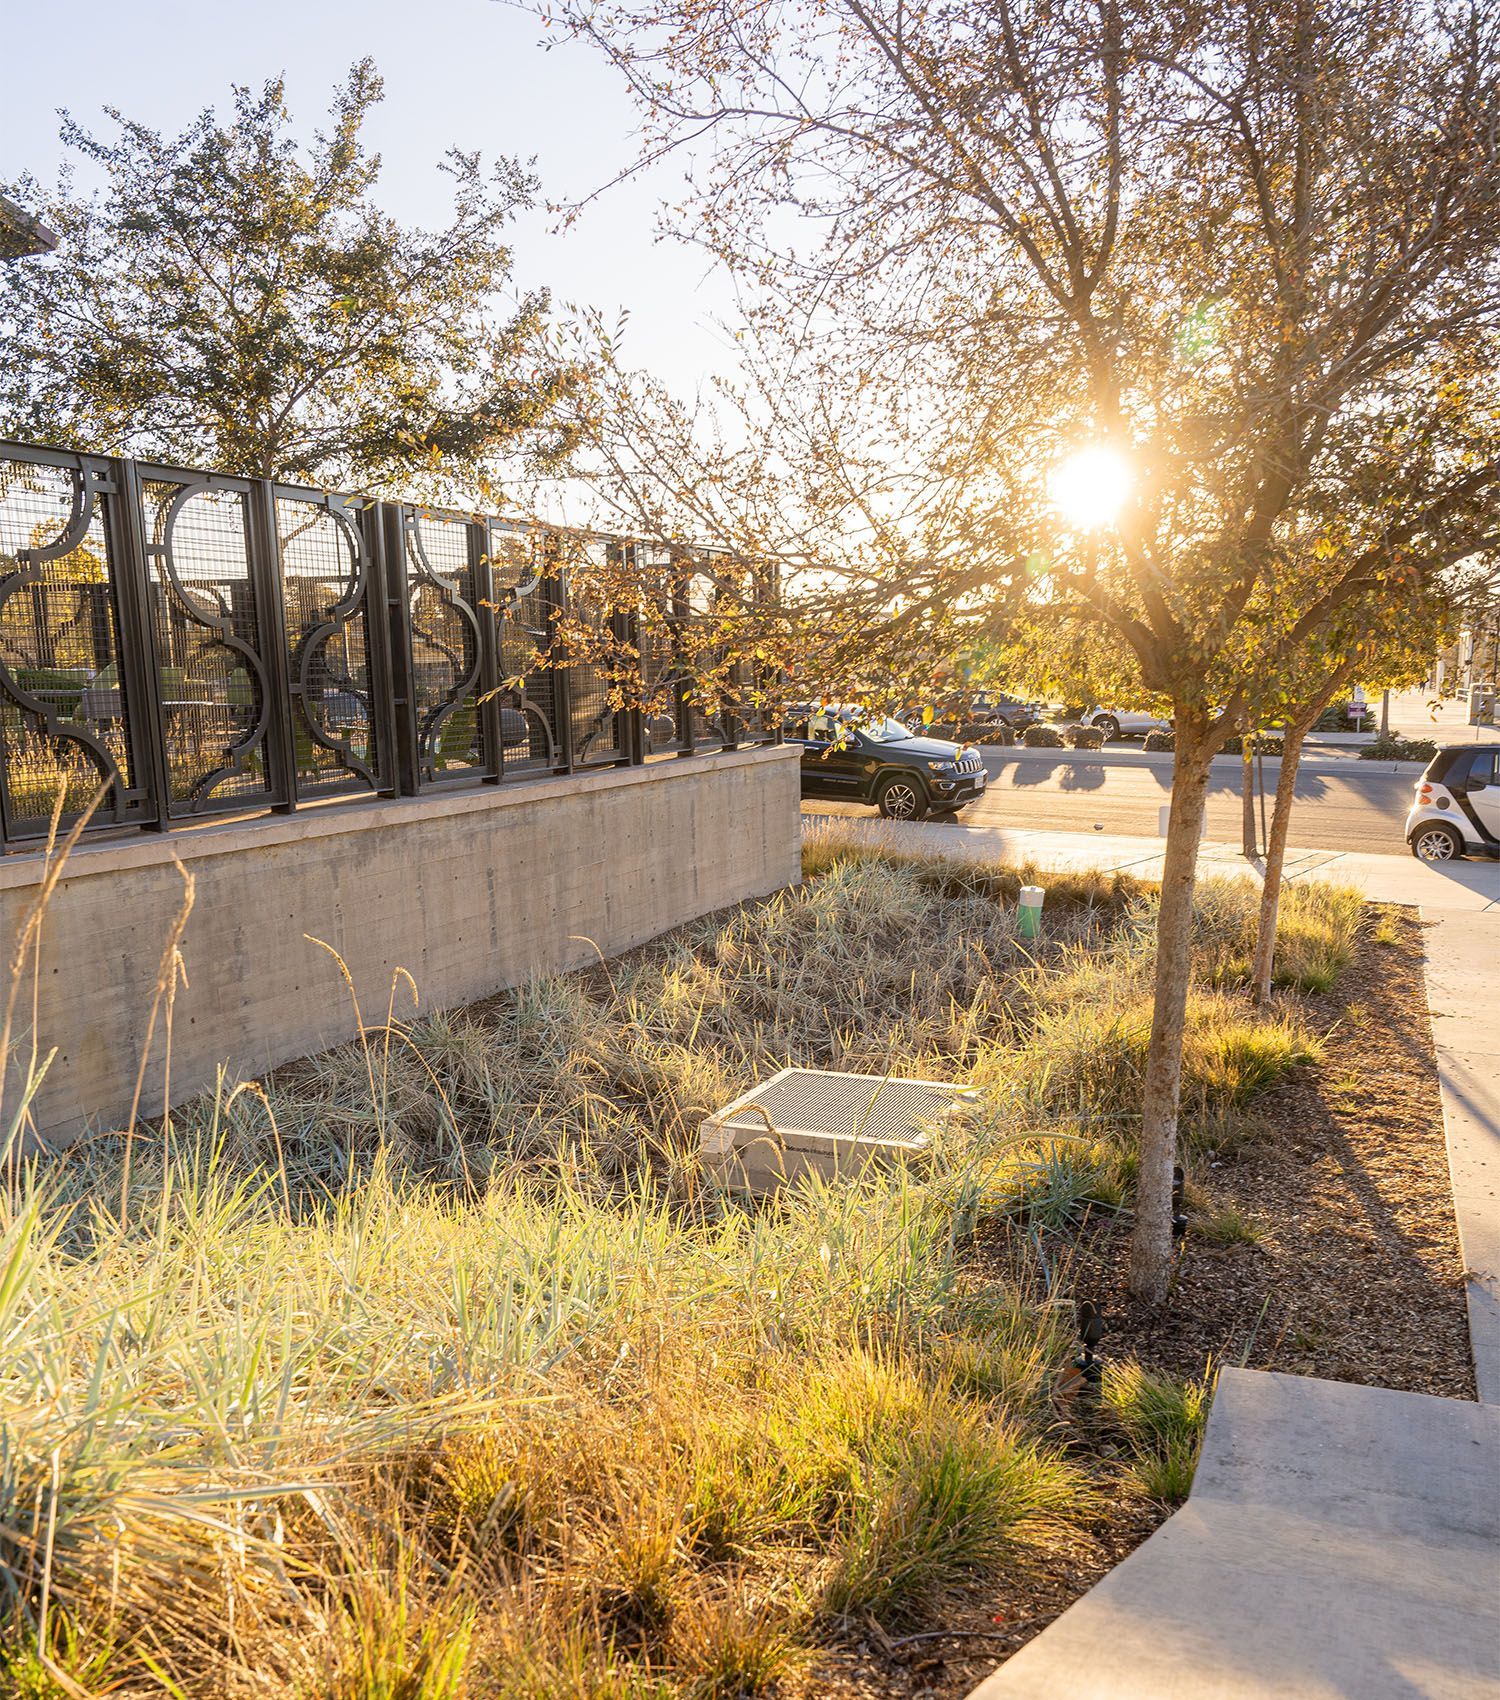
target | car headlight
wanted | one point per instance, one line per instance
(943, 766)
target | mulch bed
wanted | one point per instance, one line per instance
(1356, 1276)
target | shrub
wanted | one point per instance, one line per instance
(1090, 1057)
(1042, 738)
(1317, 928)
(1335, 718)
(1160, 740)
(946, 1497)
(1233, 1056)
(991, 732)
(733, 1645)
(1393, 747)
(1267, 743)
(1083, 738)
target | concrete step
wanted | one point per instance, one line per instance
(1339, 1541)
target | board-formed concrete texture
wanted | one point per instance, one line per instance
(820, 1121)
(468, 892)
(1340, 1543)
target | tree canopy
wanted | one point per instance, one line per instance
(1250, 250)
(233, 298)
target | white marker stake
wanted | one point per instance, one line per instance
(1164, 820)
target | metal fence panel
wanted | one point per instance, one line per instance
(596, 704)
(526, 604)
(443, 619)
(192, 645)
(206, 620)
(67, 703)
(325, 559)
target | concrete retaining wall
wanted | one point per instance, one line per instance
(469, 893)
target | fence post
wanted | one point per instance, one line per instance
(269, 592)
(390, 644)
(625, 632)
(555, 586)
(491, 729)
(138, 670)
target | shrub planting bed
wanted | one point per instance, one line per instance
(430, 1367)
(1393, 747)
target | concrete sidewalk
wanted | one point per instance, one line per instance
(1339, 1541)
(1463, 993)
(1415, 714)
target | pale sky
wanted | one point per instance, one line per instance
(469, 73)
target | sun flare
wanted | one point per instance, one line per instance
(1091, 486)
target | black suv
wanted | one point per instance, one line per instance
(871, 759)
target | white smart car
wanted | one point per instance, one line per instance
(1457, 807)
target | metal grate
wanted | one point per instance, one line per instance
(866, 1107)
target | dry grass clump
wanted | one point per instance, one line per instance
(908, 965)
(1317, 930)
(1090, 1057)
(830, 844)
(430, 1368)
(400, 1441)
(1163, 1420)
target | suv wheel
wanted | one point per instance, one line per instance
(1435, 842)
(900, 798)
(1108, 725)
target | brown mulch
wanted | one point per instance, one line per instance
(1356, 1276)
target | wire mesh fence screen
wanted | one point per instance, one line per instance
(206, 640)
(66, 711)
(175, 645)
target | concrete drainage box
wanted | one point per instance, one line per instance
(811, 1121)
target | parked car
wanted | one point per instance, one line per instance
(873, 759)
(1124, 722)
(1456, 811)
(1008, 710)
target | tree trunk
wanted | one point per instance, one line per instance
(1250, 839)
(1264, 961)
(1151, 1242)
(1270, 893)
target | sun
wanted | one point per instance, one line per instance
(1091, 486)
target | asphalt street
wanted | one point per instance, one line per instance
(1342, 804)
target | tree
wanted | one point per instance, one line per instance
(1390, 643)
(232, 299)
(1249, 250)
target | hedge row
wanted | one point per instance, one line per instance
(1055, 738)
(1267, 743)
